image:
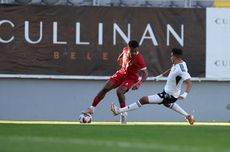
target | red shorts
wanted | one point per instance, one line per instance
(120, 78)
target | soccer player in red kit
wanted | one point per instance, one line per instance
(131, 62)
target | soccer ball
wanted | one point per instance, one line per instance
(85, 118)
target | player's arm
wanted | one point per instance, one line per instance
(119, 59)
(187, 78)
(188, 83)
(164, 74)
(144, 75)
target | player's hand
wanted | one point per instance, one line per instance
(157, 78)
(180, 98)
(135, 86)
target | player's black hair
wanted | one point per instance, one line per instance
(177, 52)
(133, 44)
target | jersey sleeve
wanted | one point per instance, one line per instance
(141, 63)
(185, 75)
(184, 72)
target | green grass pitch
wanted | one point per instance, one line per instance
(69, 137)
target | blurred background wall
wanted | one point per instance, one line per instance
(63, 100)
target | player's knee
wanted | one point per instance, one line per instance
(144, 100)
(120, 92)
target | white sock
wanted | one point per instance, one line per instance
(131, 107)
(92, 107)
(178, 109)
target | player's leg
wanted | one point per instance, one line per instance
(121, 95)
(152, 99)
(113, 82)
(101, 94)
(122, 89)
(109, 85)
(121, 98)
(175, 107)
(169, 102)
(116, 110)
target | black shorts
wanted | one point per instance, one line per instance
(167, 98)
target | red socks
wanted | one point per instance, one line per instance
(122, 104)
(96, 101)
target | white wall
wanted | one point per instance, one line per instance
(43, 99)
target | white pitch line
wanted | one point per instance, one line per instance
(116, 123)
(109, 143)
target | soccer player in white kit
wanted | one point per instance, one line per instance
(172, 90)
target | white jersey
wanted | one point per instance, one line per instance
(178, 73)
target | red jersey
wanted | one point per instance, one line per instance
(131, 65)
